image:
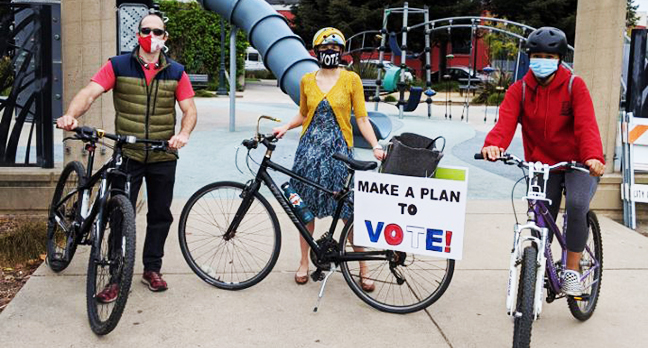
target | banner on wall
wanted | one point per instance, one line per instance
(412, 214)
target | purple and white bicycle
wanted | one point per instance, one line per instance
(538, 270)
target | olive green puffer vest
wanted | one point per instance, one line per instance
(145, 111)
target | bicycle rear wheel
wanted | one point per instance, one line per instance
(111, 262)
(229, 263)
(404, 283)
(64, 211)
(582, 307)
(523, 316)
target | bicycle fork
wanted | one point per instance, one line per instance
(519, 242)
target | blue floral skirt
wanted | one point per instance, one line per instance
(314, 161)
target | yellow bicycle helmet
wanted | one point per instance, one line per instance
(327, 36)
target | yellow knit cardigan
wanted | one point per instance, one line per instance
(346, 93)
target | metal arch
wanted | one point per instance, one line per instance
(489, 19)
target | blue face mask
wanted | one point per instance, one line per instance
(543, 67)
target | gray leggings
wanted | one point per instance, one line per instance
(579, 190)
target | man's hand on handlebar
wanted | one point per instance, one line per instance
(67, 122)
(492, 153)
(178, 141)
(596, 168)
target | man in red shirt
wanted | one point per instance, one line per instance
(558, 123)
(146, 85)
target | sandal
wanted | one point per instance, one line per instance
(301, 279)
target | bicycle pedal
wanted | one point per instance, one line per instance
(583, 297)
(317, 275)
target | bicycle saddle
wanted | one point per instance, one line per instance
(355, 164)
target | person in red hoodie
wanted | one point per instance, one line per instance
(555, 110)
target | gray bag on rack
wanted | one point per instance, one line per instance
(412, 154)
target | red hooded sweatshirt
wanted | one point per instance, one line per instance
(556, 127)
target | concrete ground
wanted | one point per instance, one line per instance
(50, 309)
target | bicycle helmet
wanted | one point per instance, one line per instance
(547, 40)
(329, 36)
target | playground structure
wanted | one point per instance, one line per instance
(515, 30)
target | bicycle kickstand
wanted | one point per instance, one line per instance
(321, 292)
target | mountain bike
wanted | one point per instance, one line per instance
(230, 237)
(107, 224)
(533, 255)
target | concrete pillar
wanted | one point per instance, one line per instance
(597, 59)
(89, 39)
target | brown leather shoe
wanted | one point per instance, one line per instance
(154, 281)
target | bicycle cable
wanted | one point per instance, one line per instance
(513, 191)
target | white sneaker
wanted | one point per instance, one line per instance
(571, 283)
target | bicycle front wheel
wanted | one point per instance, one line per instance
(403, 283)
(110, 267)
(523, 316)
(64, 212)
(582, 307)
(229, 262)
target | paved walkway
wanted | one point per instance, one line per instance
(50, 309)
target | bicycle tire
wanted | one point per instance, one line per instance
(386, 283)
(119, 223)
(523, 318)
(583, 309)
(207, 215)
(61, 246)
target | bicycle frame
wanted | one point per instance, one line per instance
(92, 214)
(542, 226)
(341, 197)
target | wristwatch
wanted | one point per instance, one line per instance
(378, 147)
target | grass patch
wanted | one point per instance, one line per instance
(201, 93)
(24, 240)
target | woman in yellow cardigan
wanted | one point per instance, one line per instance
(327, 97)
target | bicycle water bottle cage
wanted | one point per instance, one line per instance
(538, 175)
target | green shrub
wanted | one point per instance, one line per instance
(495, 99)
(260, 74)
(445, 86)
(390, 99)
(24, 241)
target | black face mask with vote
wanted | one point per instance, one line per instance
(329, 59)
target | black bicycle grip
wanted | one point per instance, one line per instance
(479, 156)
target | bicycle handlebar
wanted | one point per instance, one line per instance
(511, 159)
(90, 134)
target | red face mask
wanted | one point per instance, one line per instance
(145, 43)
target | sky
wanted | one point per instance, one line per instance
(643, 5)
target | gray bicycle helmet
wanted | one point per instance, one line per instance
(547, 40)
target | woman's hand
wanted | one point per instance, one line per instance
(280, 131)
(492, 152)
(595, 166)
(379, 154)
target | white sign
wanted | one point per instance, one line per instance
(411, 214)
(639, 193)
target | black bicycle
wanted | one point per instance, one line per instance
(230, 237)
(107, 224)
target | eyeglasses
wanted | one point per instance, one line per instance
(156, 32)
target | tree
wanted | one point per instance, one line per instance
(631, 14)
(194, 38)
(354, 16)
(538, 13)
